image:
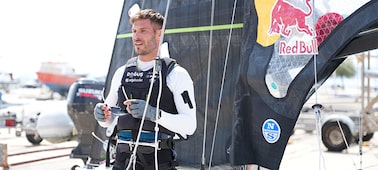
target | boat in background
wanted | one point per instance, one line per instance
(6, 81)
(58, 76)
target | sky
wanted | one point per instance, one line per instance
(80, 32)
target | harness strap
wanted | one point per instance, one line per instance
(161, 144)
(146, 136)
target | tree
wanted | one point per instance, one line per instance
(345, 69)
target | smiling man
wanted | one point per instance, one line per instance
(171, 103)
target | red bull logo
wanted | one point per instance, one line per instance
(286, 16)
(291, 20)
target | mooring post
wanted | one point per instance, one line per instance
(4, 156)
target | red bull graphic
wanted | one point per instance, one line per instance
(286, 15)
(291, 22)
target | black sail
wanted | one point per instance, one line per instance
(248, 109)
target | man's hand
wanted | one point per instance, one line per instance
(102, 112)
(136, 109)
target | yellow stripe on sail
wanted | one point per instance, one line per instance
(264, 8)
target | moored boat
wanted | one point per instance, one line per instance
(58, 76)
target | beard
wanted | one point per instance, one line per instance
(139, 51)
(148, 46)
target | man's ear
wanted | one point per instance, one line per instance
(158, 34)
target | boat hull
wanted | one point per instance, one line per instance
(56, 82)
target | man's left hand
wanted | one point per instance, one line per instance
(136, 109)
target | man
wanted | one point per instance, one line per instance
(175, 112)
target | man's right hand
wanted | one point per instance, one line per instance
(102, 112)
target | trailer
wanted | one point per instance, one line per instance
(8, 118)
(7, 121)
(344, 116)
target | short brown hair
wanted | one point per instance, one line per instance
(152, 15)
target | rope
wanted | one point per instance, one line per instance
(222, 84)
(133, 156)
(160, 86)
(207, 84)
(346, 142)
(163, 27)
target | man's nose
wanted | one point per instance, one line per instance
(136, 35)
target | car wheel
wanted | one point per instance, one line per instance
(75, 167)
(18, 133)
(35, 139)
(366, 137)
(333, 138)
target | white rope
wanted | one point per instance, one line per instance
(160, 86)
(163, 27)
(133, 156)
(222, 84)
(346, 143)
(207, 84)
(156, 118)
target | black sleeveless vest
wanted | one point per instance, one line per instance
(135, 84)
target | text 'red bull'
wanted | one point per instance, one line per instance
(298, 48)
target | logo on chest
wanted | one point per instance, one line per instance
(139, 77)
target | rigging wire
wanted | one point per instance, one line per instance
(360, 120)
(132, 156)
(362, 108)
(222, 84)
(207, 85)
(317, 106)
(163, 27)
(158, 63)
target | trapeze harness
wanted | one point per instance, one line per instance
(135, 84)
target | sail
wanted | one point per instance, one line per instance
(187, 34)
(251, 106)
(277, 73)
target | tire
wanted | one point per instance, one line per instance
(35, 139)
(75, 167)
(332, 137)
(18, 133)
(366, 137)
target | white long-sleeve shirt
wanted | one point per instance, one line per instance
(178, 81)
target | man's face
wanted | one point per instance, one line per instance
(145, 38)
